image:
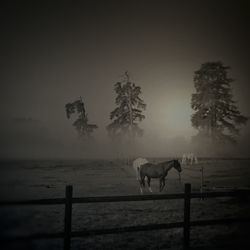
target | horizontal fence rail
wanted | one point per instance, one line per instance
(148, 227)
(96, 199)
(56, 201)
(69, 200)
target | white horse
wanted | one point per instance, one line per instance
(137, 164)
(189, 158)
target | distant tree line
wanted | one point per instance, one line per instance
(216, 115)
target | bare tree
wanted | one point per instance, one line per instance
(81, 123)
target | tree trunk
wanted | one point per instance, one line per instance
(131, 137)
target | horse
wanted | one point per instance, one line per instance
(159, 171)
(137, 164)
(189, 159)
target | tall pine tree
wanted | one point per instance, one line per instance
(129, 111)
(216, 116)
(81, 123)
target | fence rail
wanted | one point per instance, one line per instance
(68, 201)
(98, 199)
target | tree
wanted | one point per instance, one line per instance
(216, 116)
(128, 113)
(81, 123)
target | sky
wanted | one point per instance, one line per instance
(52, 52)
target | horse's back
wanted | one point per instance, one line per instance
(151, 170)
(146, 165)
(139, 161)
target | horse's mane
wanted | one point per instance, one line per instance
(169, 161)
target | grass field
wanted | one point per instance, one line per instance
(47, 179)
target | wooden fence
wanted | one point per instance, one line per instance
(69, 200)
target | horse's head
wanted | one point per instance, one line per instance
(177, 166)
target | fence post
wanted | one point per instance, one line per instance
(186, 228)
(68, 217)
(202, 182)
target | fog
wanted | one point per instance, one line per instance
(26, 138)
(53, 53)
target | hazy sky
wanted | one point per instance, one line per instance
(52, 53)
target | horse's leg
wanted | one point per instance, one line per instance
(149, 185)
(137, 173)
(160, 183)
(141, 189)
(142, 183)
(163, 183)
(143, 180)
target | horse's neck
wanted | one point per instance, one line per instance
(169, 166)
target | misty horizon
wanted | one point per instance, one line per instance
(54, 53)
